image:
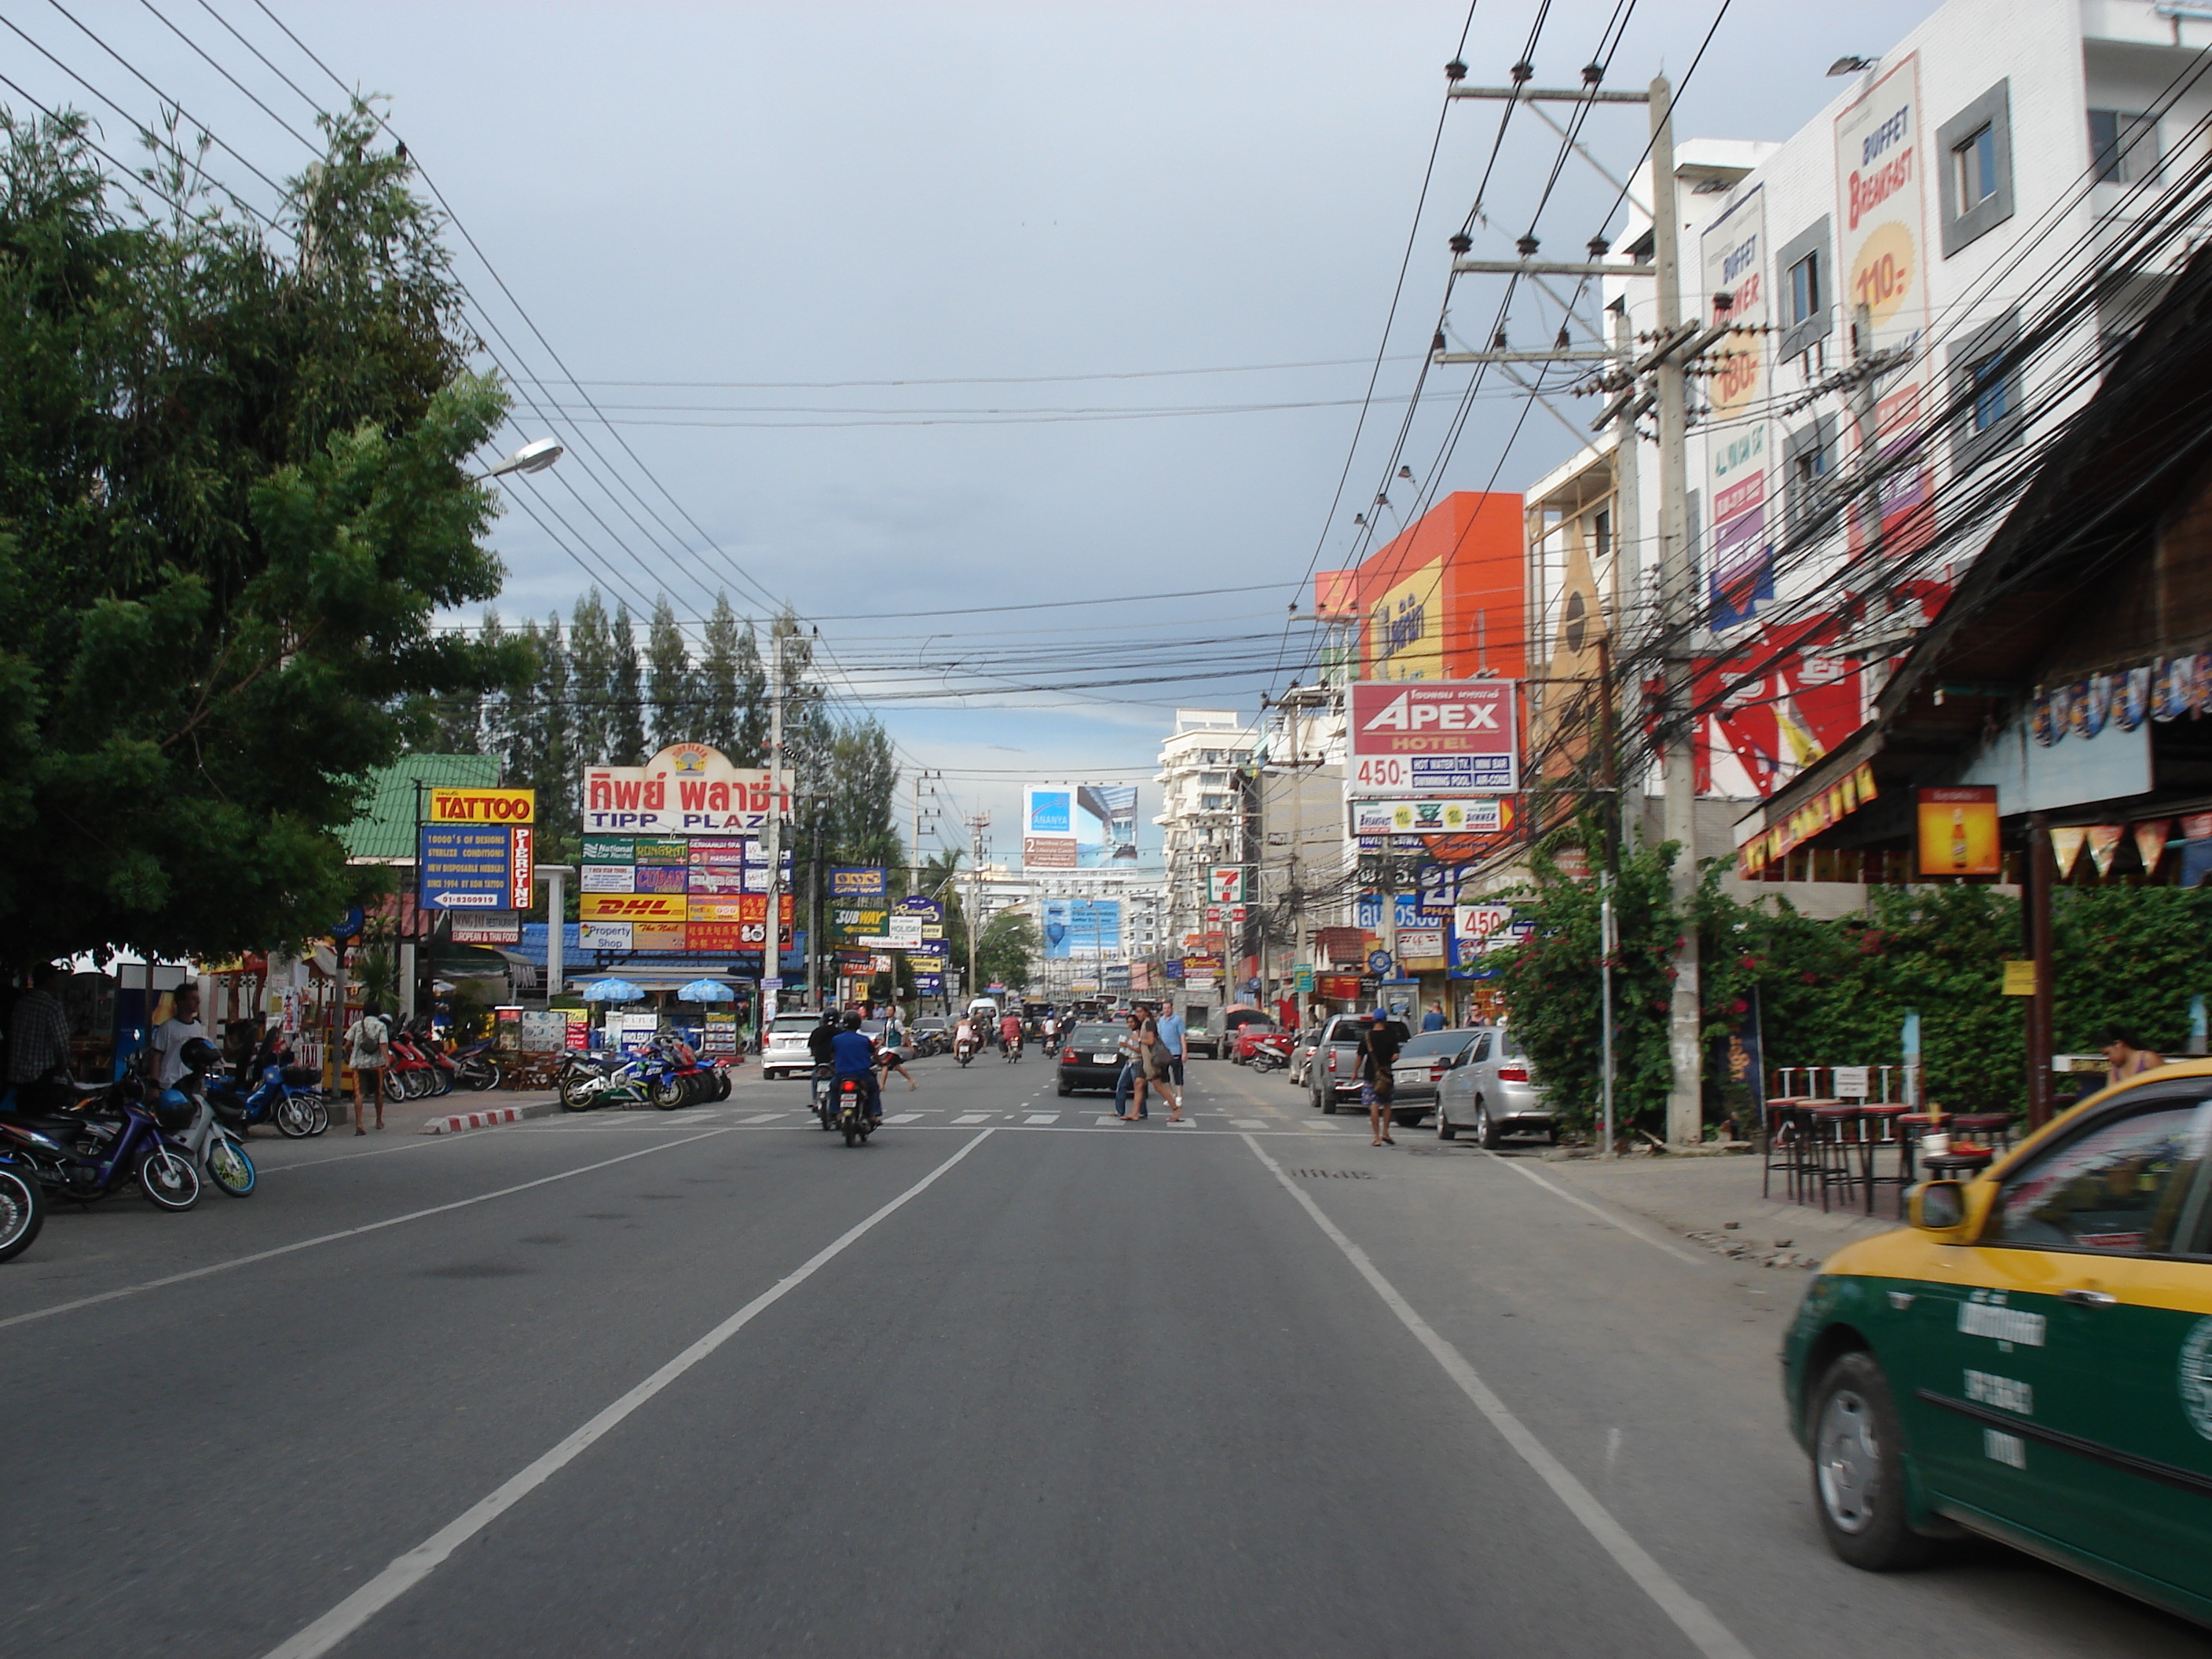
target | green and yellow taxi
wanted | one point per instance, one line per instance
(2032, 1359)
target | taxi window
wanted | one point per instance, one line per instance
(2116, 1188)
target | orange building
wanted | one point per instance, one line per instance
(1446, 599)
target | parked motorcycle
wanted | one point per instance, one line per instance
(83, 1156)
(476, 1067)
(288, 1096)
(581, 1080)
(205, 1137)
(22, 1201)
(416, 1067)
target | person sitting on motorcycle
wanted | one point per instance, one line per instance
(963, 1035)
(817, 1045)
(852, 1055)
(1010, 1034)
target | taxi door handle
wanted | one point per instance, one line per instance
(2089, 1298)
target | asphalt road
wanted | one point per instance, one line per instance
(710, 1384)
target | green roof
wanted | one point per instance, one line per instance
(386, 831)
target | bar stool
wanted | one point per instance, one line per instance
(1877, 1132)
(1959, 1163)
(1994, 1128)
(1912, 1126)
(1835, 1146)
(1788, 1128)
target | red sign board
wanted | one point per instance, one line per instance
(1428, 738)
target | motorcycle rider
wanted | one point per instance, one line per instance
(1010, 1034)
(963, 1035)
(817, 1044)
(853, 1055)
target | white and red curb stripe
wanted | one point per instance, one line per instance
(483, 1119)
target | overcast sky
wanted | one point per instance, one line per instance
(699, 196)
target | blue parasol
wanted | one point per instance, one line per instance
(706, 990)
(612, 990)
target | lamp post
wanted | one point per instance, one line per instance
(533, 457)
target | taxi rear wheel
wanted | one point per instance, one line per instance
(1858, 1469)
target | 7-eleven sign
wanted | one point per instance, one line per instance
(1228, 886)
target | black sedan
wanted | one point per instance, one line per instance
(1090, 1057)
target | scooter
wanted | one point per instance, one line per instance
(964, 1052)
(208, 1141)
(84, 1156)
(1009, 1051)
(474, 1066)
(289, 1097)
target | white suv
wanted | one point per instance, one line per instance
(786, 1052)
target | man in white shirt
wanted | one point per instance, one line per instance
(170, 1037)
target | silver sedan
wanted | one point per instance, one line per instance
(1490, 1092)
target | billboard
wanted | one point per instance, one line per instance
(469, 866)
(1081, 929)
(1444, 599)
(483, 806)
(1958, 831)
(1452, 738)
(1049, 828)
(687, 789)
(1115, 807)
(856, 881)
(1734, 253)
(1881, 250)
(1475, 815)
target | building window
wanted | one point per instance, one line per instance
(1807, 311)
(1601, 528)
(1976, 147)
(2123, 147)
(1804, 289)
(1976, 162)
(1988, 411)
(1808, 457)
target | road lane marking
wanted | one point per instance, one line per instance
(1044, 1117)
(332, 1238)
(973, 1117)
(411, 1569)
(1249, 1122)
(904, 1117)
(1690, 1616)
(763, 1117)
(1611, 1220)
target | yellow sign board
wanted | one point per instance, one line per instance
(483, 806)
(632, 906)
(1958, 832)
(2020, 979)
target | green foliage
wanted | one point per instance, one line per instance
(1008, 945)
(1554, 987)
(234, 491)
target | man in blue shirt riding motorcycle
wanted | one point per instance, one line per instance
(853, 1055)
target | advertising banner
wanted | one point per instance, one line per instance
(719, 882)
(1081, 929)
(1958, 831)
(928, 985)
(904, 929)
(522, 866)
(718, 910)
(1048, 840)
(929, 909)
(661, 936)
(1735, 250)
(1881, 251)
(499, 927)
(687, 789)
(721, 852)
(466, 867)
(609, 849)
(1118, 802)
(660, 878)
(607, 878)
(1421, 947)
(723, 937)
(483, 806)
(856, 881)
(1474, 815)
(631, 907)
(1434, 737)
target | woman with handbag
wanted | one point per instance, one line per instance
(1159, 1068)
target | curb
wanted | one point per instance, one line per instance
(490, 1117)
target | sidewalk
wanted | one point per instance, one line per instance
(1715, 1202)
(407, 1117)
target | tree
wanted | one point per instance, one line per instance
(719, 693)
(670, 687)
(591, 681)
(234, 492)
(1008, 945)
(625, 703)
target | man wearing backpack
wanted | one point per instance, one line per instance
(368, 1048)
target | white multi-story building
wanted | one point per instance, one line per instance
(1201, 816)
(1986, 196)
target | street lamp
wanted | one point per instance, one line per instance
(533, 457)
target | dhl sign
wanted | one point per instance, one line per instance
(483, 806)
(632, 906)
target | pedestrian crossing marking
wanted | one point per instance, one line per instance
(1044, 1117)
(1182, 1123)
(763, 1117)
(904, 1117)
(1250, 1123)
(973, 1117)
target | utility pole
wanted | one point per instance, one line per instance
(772, 947)
(814, 917)
(1677, 612)
(976, 826)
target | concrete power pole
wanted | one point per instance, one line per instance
(976, 825)
(1678, 595)
(772, 945)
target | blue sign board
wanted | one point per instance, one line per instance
(465, 866)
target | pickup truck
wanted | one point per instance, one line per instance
(1333, 1073)
(1197, 1032)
